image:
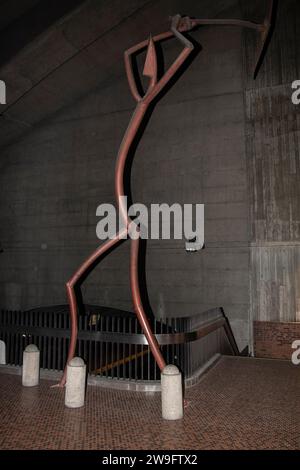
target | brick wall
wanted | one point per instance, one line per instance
(274, 339)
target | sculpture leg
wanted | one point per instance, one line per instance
(138, 307)
(74, 328)
(70, 285)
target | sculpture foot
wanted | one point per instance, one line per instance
(186, 403)
(60, 384)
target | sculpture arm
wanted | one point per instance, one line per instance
(176, 30)
(182, 24)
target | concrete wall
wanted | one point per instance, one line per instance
(272, 146)
(193, 150)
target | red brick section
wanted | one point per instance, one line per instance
(241, 403)
(274, 339)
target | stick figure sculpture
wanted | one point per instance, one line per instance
(156, 85)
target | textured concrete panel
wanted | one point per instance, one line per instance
(275, 283)
(272, 147)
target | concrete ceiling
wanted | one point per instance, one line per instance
(13, 9)
(59, 63)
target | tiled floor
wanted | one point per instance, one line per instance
(240, 404)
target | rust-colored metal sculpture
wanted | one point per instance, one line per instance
(156, 85)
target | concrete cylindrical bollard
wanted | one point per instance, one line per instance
(31, 366)
(171, 393)
(75, 385)
(2, 352)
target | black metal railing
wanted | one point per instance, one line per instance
(111, 341)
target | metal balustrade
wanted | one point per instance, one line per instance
(111, 341)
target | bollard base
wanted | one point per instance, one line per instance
(31, 366)
(75, 384)
(171, 393)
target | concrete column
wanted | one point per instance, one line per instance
(2, 352)
(75, 385)
(31, 366)
(171, 393)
